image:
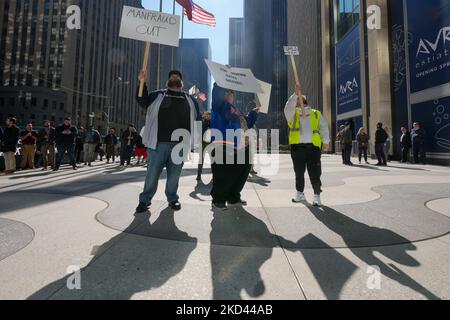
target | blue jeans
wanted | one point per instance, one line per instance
(160, 159)
(62, 149)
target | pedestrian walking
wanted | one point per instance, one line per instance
(91, 138)
(406, 143)
(381, 137)
(419, 139)
(66, 135)
(11, 137)
(231, 163)
(128, 141)
(347, 140)
(29, 138)
(111, 142)
(388, 143)
(47, 140)
(363, 144)
(79, 145)
(168, 111)
(309, 136)
(340, 140)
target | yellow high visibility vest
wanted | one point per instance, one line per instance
(295, 128)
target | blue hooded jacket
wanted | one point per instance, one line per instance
(223, 118)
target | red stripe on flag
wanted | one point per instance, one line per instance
(201, 16)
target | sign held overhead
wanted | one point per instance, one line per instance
(150, 26)
(291, 51)
(237, 79)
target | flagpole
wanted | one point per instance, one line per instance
(173, 48)
(182, 37)
(158, 82)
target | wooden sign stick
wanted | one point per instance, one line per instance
(297, 81)
(144, 67)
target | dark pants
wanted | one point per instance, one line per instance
(125, 154)
(362, 151)
(229, 178)
(405, 153)
(110, 152)
(62, 149)
(79, 149)
(381, 156)
(348, 153)
(419, 149)
(307, 156)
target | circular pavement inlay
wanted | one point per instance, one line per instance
(440, 205)
(14, 236)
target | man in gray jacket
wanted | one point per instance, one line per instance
(347, 139)
(168, 111)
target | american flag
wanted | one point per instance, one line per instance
(201, 16)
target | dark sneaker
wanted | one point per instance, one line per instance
(56, 169)
(241, 202)
(142, 207)
(175, 206)
(219, 205)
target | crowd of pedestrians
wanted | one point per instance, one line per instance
(414, 140)
(47, 147)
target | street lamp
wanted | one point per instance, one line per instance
(117, 82)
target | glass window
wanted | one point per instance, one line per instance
(348, 12)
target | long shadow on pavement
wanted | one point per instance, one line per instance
(128, 264)
(240, 245)
(354, 232)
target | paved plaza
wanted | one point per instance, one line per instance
(395, 220)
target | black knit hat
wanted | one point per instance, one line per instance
(171, 73)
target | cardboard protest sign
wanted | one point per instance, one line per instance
(237, 79)
(264, 98)
(150, 26)
(291, 51)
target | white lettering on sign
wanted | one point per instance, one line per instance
(428, 47)
(73, 17)
(150, 26)
(374, 17)
(291, 51)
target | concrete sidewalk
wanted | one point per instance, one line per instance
(395, 220)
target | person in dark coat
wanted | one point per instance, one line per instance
(111, 142)
(419, 139)
(66, 135)
(348, 144)
(381, 137)
(128, 141)
(406, 143)
(46, 140)
(9, 145)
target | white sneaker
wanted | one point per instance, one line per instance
(299, 197)
(317, 202)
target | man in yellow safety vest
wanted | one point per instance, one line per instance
(308, 137)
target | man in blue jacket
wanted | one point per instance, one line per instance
(229, 178)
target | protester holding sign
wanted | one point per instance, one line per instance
(309, 135)
(168, 111)
(229, 173)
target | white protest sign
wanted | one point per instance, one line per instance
(264, 98)
(150, 26)
(291, 51)
(237, 79)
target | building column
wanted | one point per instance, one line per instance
(326, 67)
(379, 75)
